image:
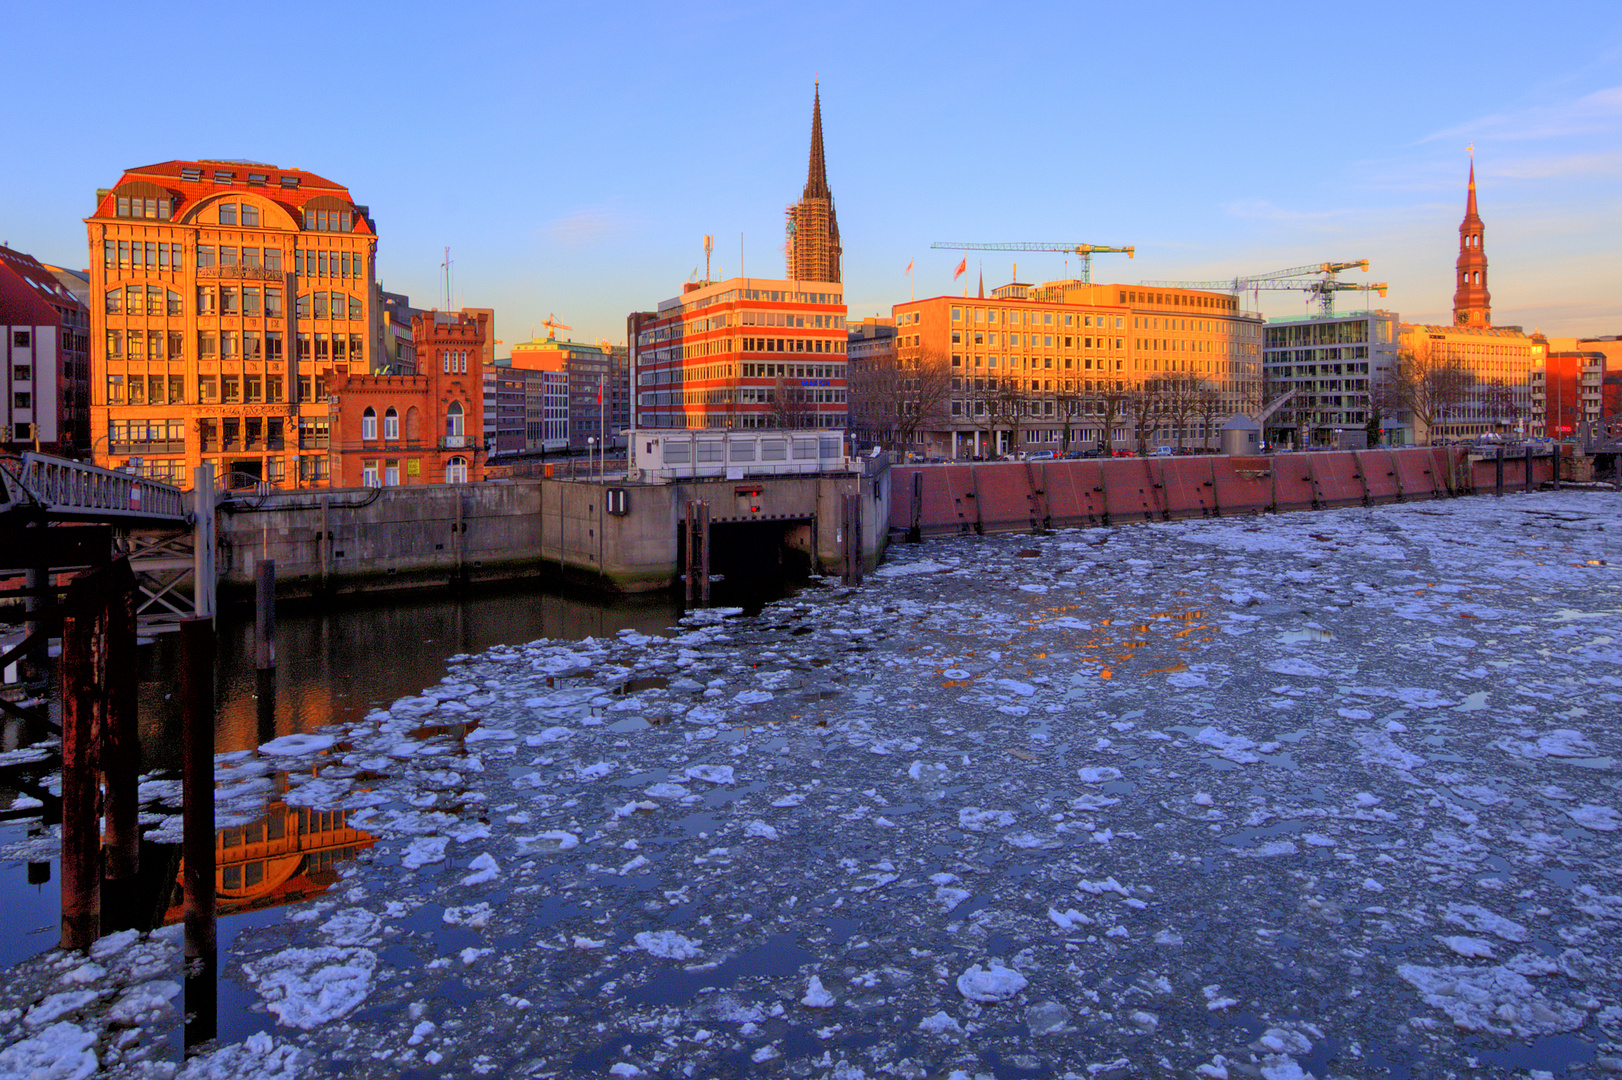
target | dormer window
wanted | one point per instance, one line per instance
(191, 176)
(221, 176)
(257, 179)
(327, 220)
(289, 181)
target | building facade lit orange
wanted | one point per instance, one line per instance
(428, 428)
(1052, 366)
(225, 296)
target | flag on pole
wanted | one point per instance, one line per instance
(600, 380)
(909, 265)
(962, 268)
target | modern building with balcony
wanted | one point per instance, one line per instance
(44, 359)
(225, 297)
(1336, 365)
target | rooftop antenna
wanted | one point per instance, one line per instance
(446, 266)
(709, 245)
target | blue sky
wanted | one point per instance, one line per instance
(573, 156)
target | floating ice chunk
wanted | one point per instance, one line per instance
(1477, 918)
(1217, 1069)
(484, 734)
(940, 1024)
(353, 926)
(784, 802)
(1068, 920)
(1215, 1000)
(297, 745)
(1101, 774)
(1047, 1018)
(1234, 748)
(1493, 999)
(623, 1068)
(587, 944)
(423, 850)
(1377, 748)
(550, 735)
(633, 806)
(1014, 686)
(1098, 888)
(975, 819)
(306, 988)
(759, 830)
(471, 954)
(633, 866)
(1473, 947)
(907, 569)
(57, 1006)
(990, 984)
(667, 790)
(62, 1051)
(1598, 818)
(594, 772)
(1038, 589)
(472, 916)
(949, 897)
(113, 944)
(752, 697)
(258, 1056)
(957, 674)
(1294, 665)
(667, 945)
(547, 842)
(484, 869)
(816, 995)
(710, 774)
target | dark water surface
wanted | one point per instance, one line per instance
(335, 662)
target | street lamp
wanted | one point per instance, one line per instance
(591, 465)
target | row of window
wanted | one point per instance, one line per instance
(798, 345)
(142, 300)
(166, 256)
(158, 209)
(231, 345)
(455, 421)
(1031, 318)
(149, 254)
(249, 301)
(389, 474)
(211, 389)
(1068, 342)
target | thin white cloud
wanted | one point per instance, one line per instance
(1537, 168)
(585, 226)
(1600, 111)
(1262, 210)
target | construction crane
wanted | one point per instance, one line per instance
(553, 326)
(1085, 251)
(1324, 286)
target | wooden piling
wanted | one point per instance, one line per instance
(1498, 463)
(81, 827)
(121, 747)
(698, 554)
(1530, 486)
(264, 615)
(197, 828)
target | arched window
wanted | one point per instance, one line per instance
(391, 424)
(368, 424)
(453, 421)
(456, 470)
(413, 424)
(446, 356)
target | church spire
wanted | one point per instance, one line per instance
(1472, 303)
(816, 175)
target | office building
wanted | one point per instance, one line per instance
(225, 296)
(599, 399)
(1336, 364)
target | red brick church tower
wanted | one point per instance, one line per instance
(1472, 304)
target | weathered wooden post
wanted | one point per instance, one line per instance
(698, 553)
(915, 534)
(121, 750)
(1498, 462)
(205, 574)
(1554, 456)
(81, 825)
(264, 615)
(850, 525)
(1530, 486)
(197, 827)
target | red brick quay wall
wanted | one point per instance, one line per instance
(1019, 496)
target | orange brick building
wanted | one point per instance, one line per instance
(428, 428)
(224, 297)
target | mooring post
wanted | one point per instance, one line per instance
(264, 615)
(1554, 456)
(34, 666)
(859, 554)
(81, 826)
(915, 534)
(1529, 485)
(121, 752)
(698, 553)
(197, 827)
(205, 574)
(1498, 462)
(323, 544)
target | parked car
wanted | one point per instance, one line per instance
(1073, 455)
(1042, 455)
(1161, 451)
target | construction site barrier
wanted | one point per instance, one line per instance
(1019, 496)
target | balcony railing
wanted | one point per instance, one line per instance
(238, 272)
(148, 446)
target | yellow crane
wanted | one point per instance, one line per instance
(1084, 251)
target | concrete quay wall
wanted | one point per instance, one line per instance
(1018, 496)
(355, 540)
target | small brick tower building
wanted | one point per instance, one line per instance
(1472, 304)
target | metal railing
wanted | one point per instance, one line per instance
(73, 488)
(238, 272)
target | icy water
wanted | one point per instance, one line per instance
(1323, 795)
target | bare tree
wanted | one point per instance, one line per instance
(1499, 401)
(1428, 384)
(892, 399)
(1209, 405)
(1114, 400)
(1144, 403)
(791, 406)
(1179, 403)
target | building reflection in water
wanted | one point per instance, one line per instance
(288, 855)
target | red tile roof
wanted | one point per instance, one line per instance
(170, 175)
